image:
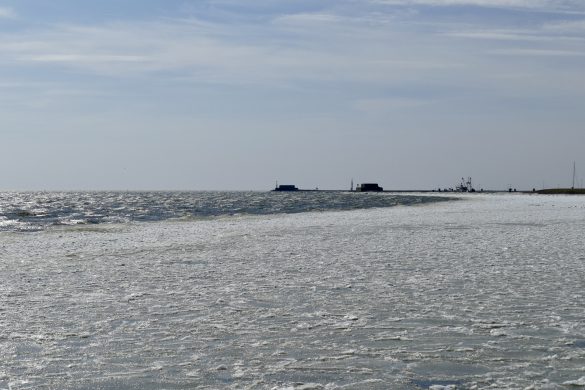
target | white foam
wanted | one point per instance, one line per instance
(578, 382)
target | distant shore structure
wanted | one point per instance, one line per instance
(286, 187)
(574, 172)
(368, 187)
(561, 191)
(464, 186)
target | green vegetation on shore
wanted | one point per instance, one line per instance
(554, 191)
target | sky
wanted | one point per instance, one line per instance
(236, 95)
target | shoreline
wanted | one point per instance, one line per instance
(548, 191)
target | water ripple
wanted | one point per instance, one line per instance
(34, 211)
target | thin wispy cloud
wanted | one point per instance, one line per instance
(535, 35)
(551, 5)
(310, 18)
(501, 35)
(7, 13)
(322, 46)
(219, 53)
(224, 68)
(567, 26)
(539, 53)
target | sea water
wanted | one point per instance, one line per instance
(291, 291)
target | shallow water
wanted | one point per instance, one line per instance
(486, 292)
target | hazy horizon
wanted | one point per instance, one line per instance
(220, 95)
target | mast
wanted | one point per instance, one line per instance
(573, 187)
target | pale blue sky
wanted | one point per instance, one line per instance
(230, 94)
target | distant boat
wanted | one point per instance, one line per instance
(465, 186)
(286, 187)
(369, 187)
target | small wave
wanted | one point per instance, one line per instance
(5, 223)
(17, 226)
(70, 222)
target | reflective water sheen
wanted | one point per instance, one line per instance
(31, 211)
(485, 292)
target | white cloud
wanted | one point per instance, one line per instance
(503, 35)
(308, 18)
(568, 26)
(539, 52)
(85, 58)
(536, 35)
(295, 51)
(553, 5)
(221, 53)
